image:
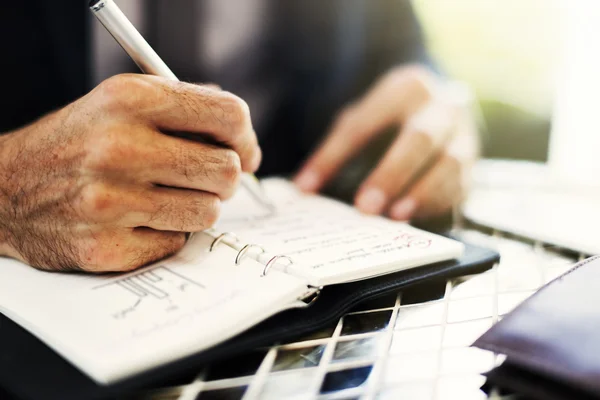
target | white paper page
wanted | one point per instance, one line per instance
(112, 327)
(328, 241)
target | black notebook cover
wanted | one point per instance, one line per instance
(31, 370)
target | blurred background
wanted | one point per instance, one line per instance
(517, 55)
(511, 53)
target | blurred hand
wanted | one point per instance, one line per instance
(423, 172)
(98, 186)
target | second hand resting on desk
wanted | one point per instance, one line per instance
(123, 31)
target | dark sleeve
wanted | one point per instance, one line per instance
(43, 58)
(394, 37)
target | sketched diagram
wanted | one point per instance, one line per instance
(159, 288)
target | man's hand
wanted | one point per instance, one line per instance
(98, 185)
(423, 173)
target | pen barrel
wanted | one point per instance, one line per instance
(134, 44)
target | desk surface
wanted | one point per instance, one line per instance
(519, 197)
(410, 345)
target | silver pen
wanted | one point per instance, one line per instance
(134, 44)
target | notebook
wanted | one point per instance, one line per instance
(220, 284)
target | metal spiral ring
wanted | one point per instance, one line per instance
(244, 250)
(273, 261)
(222, 236)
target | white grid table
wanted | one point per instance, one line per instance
(409, 345)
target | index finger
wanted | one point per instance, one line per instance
(420, 141)
(173, 106)
(389, 102)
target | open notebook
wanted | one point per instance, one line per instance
(114, 326)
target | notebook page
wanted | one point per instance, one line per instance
(328, 241)
(114, 326)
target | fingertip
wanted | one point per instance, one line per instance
(256, 160)
(404, 209)
(371, 200)
(308, 180)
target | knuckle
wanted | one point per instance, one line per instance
(237, 111)
(211, 208)
(351, 124)
(416, 72)
(121, 92)
(108, 150)
(420, 81)
(230, 169)
(415, 78)
(185, 160)
(424, 140)
(97, 199)
(115, 84)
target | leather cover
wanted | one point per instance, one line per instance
(31, 370)
(552, 340)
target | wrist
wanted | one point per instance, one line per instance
(6, 249)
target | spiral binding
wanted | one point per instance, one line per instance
(222, 236)
(244, 250)
(273, 260)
